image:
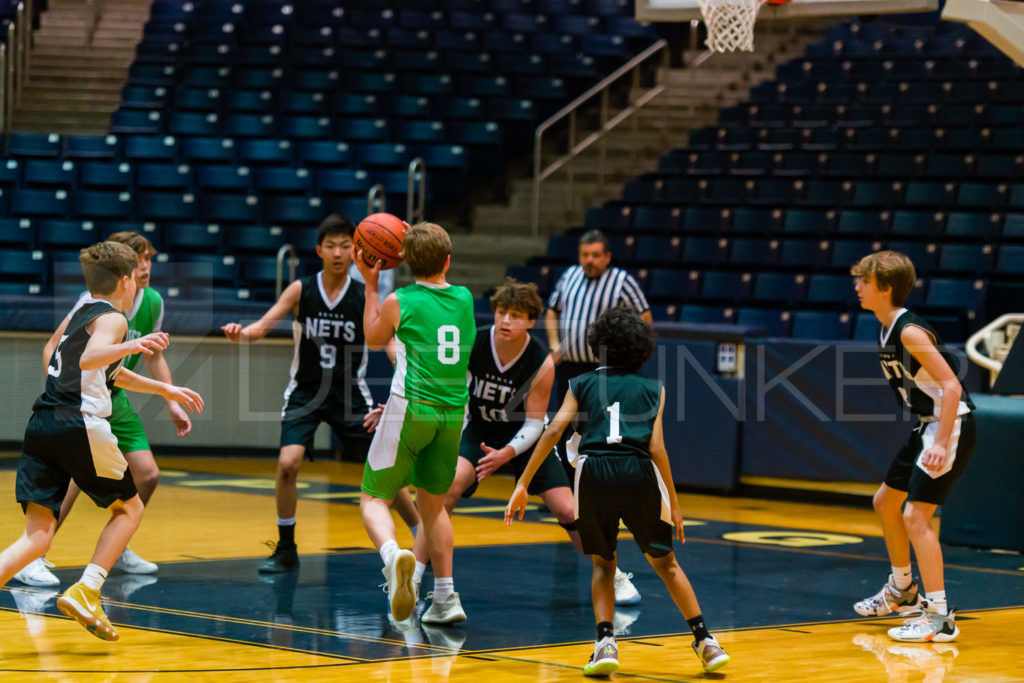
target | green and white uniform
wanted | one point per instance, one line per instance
(417, 439)
(145, 317)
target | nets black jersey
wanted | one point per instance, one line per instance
(497, 393)
(67, 385)
(330, 350)
(616, 412)
(913, 386)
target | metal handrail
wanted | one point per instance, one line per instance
(602, 88)
(993, 365)
(376, 199)
(282, 253)
(416, 187)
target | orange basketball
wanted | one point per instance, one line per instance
(380, 236)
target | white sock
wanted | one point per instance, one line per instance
(413, 529)
(417, 575)
(901, 577)
(937, 602)
(443, 588)
(388, 550)
(286, 522)
(94, 576)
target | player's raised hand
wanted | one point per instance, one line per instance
(192, 401)
(366, 270)
(516, 503)
(182, 425)
(492, 460)
(372, 418)
(233, 331)
(155, 341)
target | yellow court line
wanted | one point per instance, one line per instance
(332, 496)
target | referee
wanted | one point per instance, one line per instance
(582, 294)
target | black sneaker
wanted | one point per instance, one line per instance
(283, 559)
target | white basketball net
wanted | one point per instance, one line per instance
(730, 23)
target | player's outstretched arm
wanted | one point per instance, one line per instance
(660, 457)
(380, 323)
(131, 381)
(158, 370)
(287, 302)
(922, 347)
(551, 327)
(105, 346)
(536, 405)
(565, 414)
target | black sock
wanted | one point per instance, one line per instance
(286, 533)
(605, 630)
(699, 628)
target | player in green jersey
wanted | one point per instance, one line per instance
(622, 472)
(417, 438)
(144, 317)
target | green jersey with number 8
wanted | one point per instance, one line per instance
(435, 335)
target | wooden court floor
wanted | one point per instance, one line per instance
(776, 582)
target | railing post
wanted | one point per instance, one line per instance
(3, 89)
(634, 93)
(286, 251)
(570, 168)
(376, 200)
(416, 211)
(9, 71)
(535, 208)
(602, 143)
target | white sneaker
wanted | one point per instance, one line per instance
(930, 627)
(398, 573)
(130, 563)
(447, 612)
(37, 573)
(712, 656)
(605, 659)
(890, 599)
(625, 592)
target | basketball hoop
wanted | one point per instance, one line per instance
(730, 23)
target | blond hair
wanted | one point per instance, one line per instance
(139, 243)
(518, 296)
(889, 269)
(425, 248)
(105, 263)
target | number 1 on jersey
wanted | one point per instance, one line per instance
(613, 424)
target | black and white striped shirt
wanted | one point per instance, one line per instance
(580, 300)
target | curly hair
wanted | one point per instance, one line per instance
(518, 296)
(621, 338)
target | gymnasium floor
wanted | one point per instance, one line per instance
(776, 581)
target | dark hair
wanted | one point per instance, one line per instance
(593, 237)
(105, 263)
(334, 225)
(518, 296)
(621, 338)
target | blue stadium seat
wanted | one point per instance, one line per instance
(362, 130)
(775, 323)
(182, 237)
(966, 258)
(1013, 226)
(917, 224)
(342, 181)
(830, 289)
(163, 176)
(247, 101)
(104, 205)
(306, 127)
(208, 150)
(751, 251)
(229, 208)
(323, 153)
(165, 206)
(866, 327)
(92, 147)
(972, 225)
(288, 210)
(17, 232)
(696, 313)
(262, 151)
(958, 294)
(150, 148)
(285, 180)
(260, 239)
(30, 265)
(779, 288)
(105, 174)
(193, 124)
(42, 203)
(1010, 261)
(658, 250)
(207, 269)
(923, 255)
(862, 223)
(136, 121)
(48, 173)
(420, 131)
(224, 178)
(673, 285)
(705, 250)
(24, 145)
(826, 325)
(384, 154)
(725, 285)
(250, 125)
(259, 271)
(67, 234)
(845, 253)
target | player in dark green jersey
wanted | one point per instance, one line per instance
(622, 472)
(923, 376)
(69, 435)
(432, 324)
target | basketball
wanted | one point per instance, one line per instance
(380, 235)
